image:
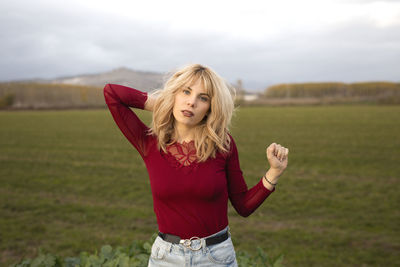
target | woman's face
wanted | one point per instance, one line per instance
(191, 104)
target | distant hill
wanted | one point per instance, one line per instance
(142, 80)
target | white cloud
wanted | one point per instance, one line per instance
(260, 42)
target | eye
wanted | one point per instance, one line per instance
(186, 92)
(204, 98)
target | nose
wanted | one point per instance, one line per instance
(191, 101)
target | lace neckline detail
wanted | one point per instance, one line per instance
(183, 153)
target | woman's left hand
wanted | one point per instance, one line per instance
(277, 157)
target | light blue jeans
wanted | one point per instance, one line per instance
(166, 254)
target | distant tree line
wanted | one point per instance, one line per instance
(20, 95)
(365, 89)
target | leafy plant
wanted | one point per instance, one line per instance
(260, 260)
(135, 255)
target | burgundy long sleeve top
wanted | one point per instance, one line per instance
(190, 198)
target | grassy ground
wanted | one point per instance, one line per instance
(70, 181)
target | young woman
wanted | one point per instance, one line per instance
(193, 165)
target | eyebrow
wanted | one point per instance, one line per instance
(200, 93)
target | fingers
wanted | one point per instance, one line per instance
(285, 153)
(282, 152)
(278, 151)
(271, 150)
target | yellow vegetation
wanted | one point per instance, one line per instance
(318, 90)
(38, 95)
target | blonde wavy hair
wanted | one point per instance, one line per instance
(211, 134)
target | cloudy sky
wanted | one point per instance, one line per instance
(259, 42)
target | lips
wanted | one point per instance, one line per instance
(187, 113)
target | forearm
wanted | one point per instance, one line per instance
(123, 96)
(244, 200)
(272, 175)
(119, 100)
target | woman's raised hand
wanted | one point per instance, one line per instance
(277, 156)
(149, 105)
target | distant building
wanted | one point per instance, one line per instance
(250, 97)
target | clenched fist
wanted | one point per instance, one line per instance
(277, 157)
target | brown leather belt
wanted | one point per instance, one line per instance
(187, 242)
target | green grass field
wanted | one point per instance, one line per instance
(71, 182)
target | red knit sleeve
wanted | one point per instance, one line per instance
(244, 200)
(118, 99)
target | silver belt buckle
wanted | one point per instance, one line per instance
(188, 243)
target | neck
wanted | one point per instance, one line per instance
(183, 133)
